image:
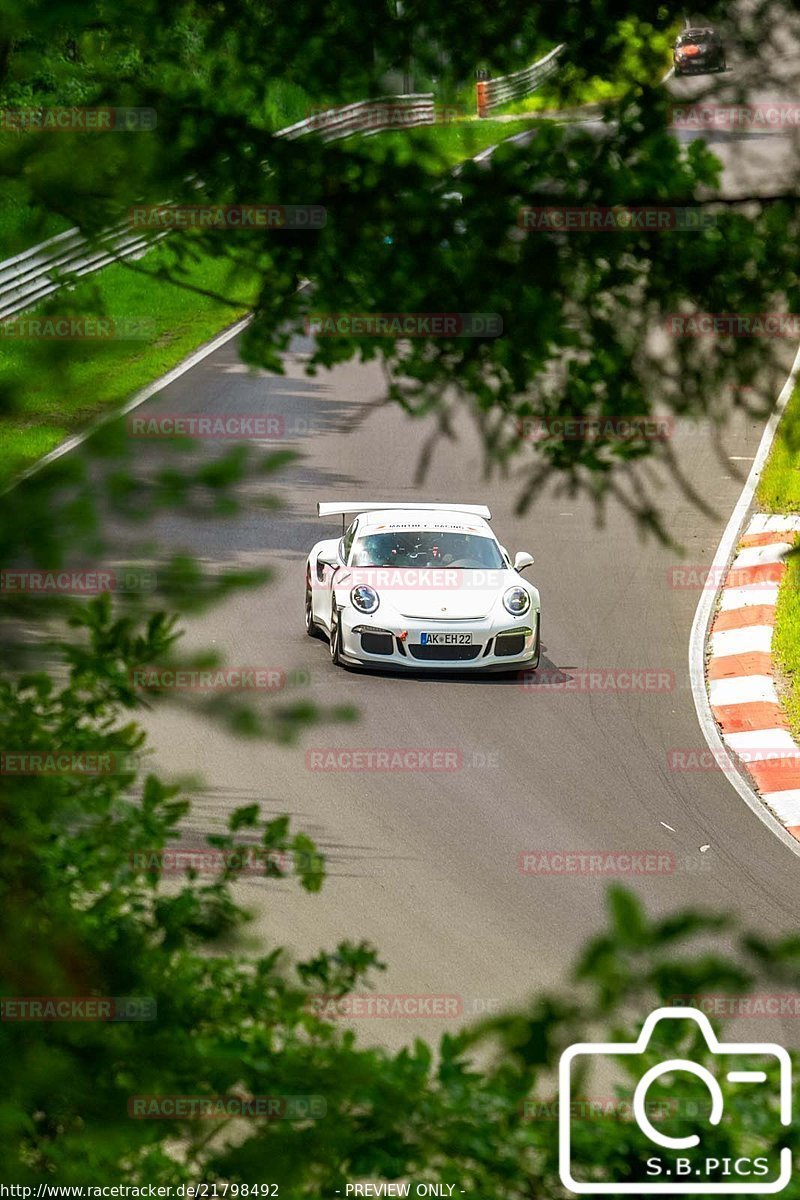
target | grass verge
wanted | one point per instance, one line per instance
(779, 487)
(52, 388)
(440, 147)
(786, 643)
(779, 492)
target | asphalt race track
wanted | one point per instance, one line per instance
(425, 865)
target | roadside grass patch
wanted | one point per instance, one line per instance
(779, 492)
(439, 147)
(51, 389)
(786, 642)
(779, 487)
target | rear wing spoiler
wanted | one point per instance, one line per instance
(351, 508)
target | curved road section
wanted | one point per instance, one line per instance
(478, 863)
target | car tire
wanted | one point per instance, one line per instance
(335, 640)
(312, 629)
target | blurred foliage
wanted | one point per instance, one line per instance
(86, 913)
(582, 314)
(83, 915)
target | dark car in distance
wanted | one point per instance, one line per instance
(698, 51)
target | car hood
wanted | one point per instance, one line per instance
(440, 594)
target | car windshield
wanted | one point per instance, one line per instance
(700, 38)
(419, 548)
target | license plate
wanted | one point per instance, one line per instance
(446, 639)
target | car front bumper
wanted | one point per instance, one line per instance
(368, 642)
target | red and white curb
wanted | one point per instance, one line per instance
(739, 670)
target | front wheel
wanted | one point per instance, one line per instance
(335, 640)
(310, 623)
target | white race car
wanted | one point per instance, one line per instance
(424, 585)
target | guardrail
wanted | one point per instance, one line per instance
(492, 93)
(367, 116)
(36, 273)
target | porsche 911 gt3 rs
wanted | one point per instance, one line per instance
(425, 586)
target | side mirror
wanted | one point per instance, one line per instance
(522, 560)
(330, 558)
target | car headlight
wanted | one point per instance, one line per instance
(516, 601)
(365, 598)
